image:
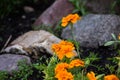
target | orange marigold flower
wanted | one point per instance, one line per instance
(91, 76)
(61, 67)
(64, 24)
(76, 63)
(63, 48)
(75, 18)
(70, 54)
(62, 54)
(70, 18)
(64, 75)
(111, 77)
(55, 47)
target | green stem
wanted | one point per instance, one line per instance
(82, 76)
(74, 39)
(118, 70)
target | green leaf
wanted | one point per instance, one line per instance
(117, 58)
(77, 4)
(114, 37)
(99, 76)
(75, 10)
(87, 62)
(109, 43)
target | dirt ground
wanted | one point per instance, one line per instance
(18, 22)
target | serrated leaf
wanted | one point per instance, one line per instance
(109, 43)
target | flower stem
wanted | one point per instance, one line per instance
(74, 39)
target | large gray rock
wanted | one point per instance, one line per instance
(9, 62)
(54, 13)
(33, 42)
(94, 30)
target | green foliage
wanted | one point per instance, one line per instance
(109, 43)
(110, 68)
(115, 41)
(58, 29)
(41, 63)
(24, 71)
(49, 70)
(39, 66)
(90, 59)
(117, 59)
(116, 67)
(3, 75)
(100, 76)
(79, 6)
(113, 5)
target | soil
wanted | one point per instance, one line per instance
(18, 22)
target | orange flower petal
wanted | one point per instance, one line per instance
(55, 47)
(75, 18)
(64, 19)
(111, 77)
(76, 63)
(70, 54)
(61, 67)
(64, 24)
(64, 75)
(91, 76)
(60, 55)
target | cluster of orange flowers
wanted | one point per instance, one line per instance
(91, 76)
(63, 49)
(70, 18)
(61, 72)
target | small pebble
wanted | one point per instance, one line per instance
(23, 17)
(28, 9)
